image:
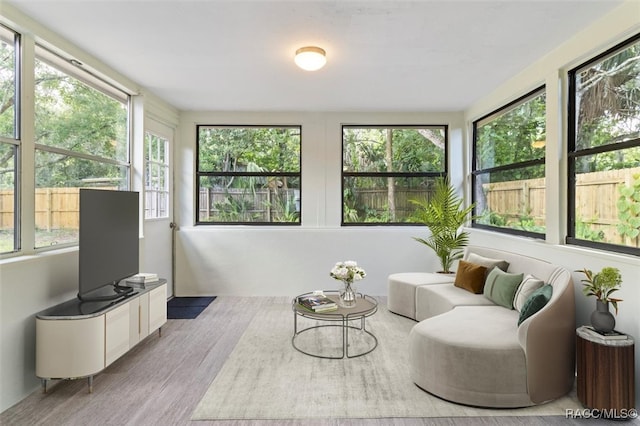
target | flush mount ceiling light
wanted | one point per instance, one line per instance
(310, 58)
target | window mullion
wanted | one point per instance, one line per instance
(26, 155)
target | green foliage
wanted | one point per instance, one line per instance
(489, 217)
(629, 208)
(522, 222)
(584, 230)
(528, 223)
(284, 208)
(373, 216)
(236, 208)
(6, 240)
(350, 215)
(413, 150)
(7, 90)
(507, 139)
(602, 284)
(75, 117)
(609, 100)
(444, 214)
(393, 150)
(234, 149)
(244, 157)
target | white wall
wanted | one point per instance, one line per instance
(29, 285)
(277, 260)
(551, 70)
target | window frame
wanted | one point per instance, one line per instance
(150, 190)
(200, 173)
(573, 154)
(512, 166)
(76, 70)
(15, 141)
(345, 174)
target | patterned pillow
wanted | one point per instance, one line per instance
(529, 285)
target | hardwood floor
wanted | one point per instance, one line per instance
(162, 379)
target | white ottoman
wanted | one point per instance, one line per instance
(402, 290)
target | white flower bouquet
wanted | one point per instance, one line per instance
(347, 272)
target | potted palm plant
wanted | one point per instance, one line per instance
(602, 285)
(444, 214)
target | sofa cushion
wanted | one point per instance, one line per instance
(471, 355)
(487, 262)
(436, 299)
(500, 287)
(528, 285)
(402, 290)
(538, 299)
(470, 277)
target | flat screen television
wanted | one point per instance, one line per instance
(108, 243)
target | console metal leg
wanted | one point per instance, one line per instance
(160, 332)
(44, 385)
(90, 383)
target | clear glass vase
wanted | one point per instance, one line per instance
(348, 295)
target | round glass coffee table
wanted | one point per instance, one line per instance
(342, 318)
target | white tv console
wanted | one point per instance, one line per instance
(77, 339)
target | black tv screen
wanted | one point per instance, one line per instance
(109, 242)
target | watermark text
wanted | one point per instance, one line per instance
(593, 413)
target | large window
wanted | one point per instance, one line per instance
(384, 168)
(156, 180)
(508, 167)
(81, 140)
(9, 140)
(604, 151)
(248, 175)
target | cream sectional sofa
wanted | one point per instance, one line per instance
(469, 350)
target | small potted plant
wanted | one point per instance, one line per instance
(444, 214)
(602, 285)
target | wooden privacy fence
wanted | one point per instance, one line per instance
(515, 199)
(55, 208)
(378, 200)
(596, 198)
(260, 205)
(596, 202)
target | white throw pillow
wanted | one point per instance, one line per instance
(487, 262)
(528, 285)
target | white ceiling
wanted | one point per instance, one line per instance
(383, 55)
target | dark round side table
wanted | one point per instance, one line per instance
(605, 370)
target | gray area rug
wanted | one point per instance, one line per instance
(266, 378)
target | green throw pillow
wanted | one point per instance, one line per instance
(500, 287)
(535, 302)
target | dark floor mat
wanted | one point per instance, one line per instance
(187, 307)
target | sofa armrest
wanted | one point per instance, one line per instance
(548, 340)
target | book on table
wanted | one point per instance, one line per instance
(143, 278)
(608, 335)
(317, 303)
